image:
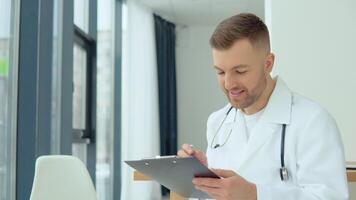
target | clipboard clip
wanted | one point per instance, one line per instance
(162, 157)
(172, 156)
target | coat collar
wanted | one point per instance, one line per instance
(279, 106)
(278, 109)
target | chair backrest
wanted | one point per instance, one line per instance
(60, 177)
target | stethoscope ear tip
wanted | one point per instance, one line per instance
(216, 146)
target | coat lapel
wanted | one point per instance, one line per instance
(277, 112)
(259, 136)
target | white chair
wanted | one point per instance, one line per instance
(60, 177)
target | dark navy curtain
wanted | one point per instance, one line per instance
(166, 63)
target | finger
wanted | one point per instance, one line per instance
(188, 148)
(198, 153)
(213, 192)
(182, 153)
(208, 182)
(224, 173)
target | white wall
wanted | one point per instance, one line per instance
(198, 93)
(314, 43)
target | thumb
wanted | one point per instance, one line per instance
(224, 173)
(201, 157)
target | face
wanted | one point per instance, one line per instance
(243, 72)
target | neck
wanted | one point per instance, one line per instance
(263, 98)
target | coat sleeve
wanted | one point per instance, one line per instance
(321, 171)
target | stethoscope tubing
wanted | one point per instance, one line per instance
(283, 169)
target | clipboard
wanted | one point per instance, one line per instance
(175, 173)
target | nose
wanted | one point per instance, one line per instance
(229, 81)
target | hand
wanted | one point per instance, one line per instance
(188, 150)
(230, 187)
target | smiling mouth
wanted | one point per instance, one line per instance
(236, 93)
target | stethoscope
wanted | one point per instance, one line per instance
(283, 171)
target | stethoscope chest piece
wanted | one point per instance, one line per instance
(283, 171)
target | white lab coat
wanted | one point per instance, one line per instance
(314, 152)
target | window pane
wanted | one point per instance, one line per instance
(81, 8)
(79, 99)
(79, 87)
(56, 81)
(105, 104)
(79, 150)
(8, 94)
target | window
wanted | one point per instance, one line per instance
(93, 90)
(83, 66)
(81, 14)
(8, 93)
(79, 86)
(56, 81)
(80, 98)
(84, 69)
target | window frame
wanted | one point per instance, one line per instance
(85, 41)
(34, 90)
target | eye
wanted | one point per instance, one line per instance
(241, 72)
(220, 72)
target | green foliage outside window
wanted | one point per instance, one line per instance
(4, 68)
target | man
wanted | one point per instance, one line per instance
(268, 142)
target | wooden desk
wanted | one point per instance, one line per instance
(351, 173)
(141, 177)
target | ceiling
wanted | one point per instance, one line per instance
(202, 12)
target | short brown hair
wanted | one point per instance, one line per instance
(241, 26)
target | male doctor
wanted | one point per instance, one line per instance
(268, 142)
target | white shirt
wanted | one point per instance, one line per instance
(250, 121)
(314, 154)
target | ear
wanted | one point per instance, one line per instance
(269, 62)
